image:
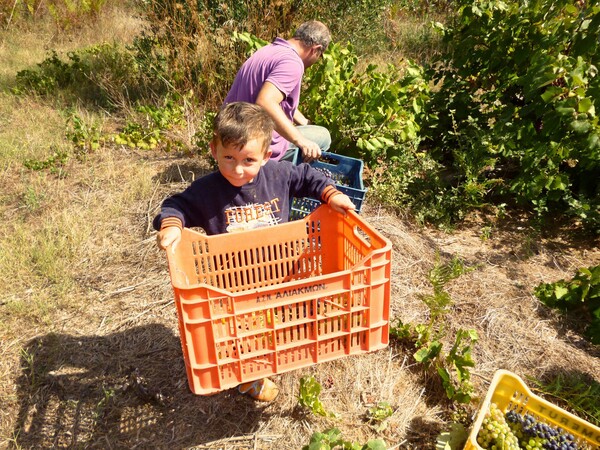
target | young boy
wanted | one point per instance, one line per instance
(248, 191)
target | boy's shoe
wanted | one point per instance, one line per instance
(263, 390)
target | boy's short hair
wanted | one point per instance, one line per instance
(239, 122)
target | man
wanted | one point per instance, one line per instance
(272, 78)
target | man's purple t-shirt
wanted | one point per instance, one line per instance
(280, 64)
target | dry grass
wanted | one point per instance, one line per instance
(90, 355)
(24, 46)
(104, 370)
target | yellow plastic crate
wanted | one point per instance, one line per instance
(509, 392)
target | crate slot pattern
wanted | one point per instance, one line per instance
(266, 301)
(509, 392)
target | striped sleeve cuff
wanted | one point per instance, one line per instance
(328, 193)
(171, 222)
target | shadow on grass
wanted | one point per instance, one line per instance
(123, 390)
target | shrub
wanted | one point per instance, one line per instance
(581, 295)
(190, 44)
(370, 114)
(516, 105)
(105, 75)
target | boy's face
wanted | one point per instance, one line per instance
(239, 165)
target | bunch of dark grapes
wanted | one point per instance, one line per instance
(495, 432)
(533, 434)
(325, 171)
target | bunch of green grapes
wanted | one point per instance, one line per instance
(495, 433)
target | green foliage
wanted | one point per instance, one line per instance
(455, 372)
(308, 397)
(86, 138)
(32, 200)
(440, 275)
(189, 48)
(331, 439)
(515, 110)
(51, 74)
(204, 131)
(105, 75)
(378, 115)
(54, 163)
(253, 43)
(371, 114)
(452, 367)
(152, 126)
(28, 364)
(581, 295)
(378, 414)
(350, 20)
(108, 400)
(454, 439)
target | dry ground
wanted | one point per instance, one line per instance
(106, 371)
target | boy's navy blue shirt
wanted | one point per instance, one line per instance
(216, 206)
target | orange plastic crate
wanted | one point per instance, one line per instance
(276, 299)
(509, 392)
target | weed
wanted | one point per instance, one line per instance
(85, 137)
(485, 233)
(308, 397)
(103, 406)
(105, 75)
(455, 372)
(28, 360)
(74, 14)
(54, 163)
(152, 126)
(378, 414)
(332, 439)
(32, 200)
(580, 294)
(452, 367)
(439, 275)
(530, 246)
(66, 14)
(204, 133)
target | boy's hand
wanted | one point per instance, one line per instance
(341, 203)
(168, 236)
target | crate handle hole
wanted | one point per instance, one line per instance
(328, 159)
(364, 237)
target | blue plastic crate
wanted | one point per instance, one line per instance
(347, 174)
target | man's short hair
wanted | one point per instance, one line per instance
(239, 122)
(312, 33)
